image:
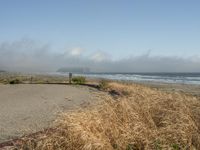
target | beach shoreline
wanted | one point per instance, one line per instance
(36, 101)
(191, 89)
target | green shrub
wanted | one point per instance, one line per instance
(14, 81)
(79, 80)
(157, 145)
(175, 147)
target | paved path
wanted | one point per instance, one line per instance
(26, 108)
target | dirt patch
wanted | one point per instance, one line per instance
(29, 108)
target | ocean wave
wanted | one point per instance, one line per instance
(182, 78)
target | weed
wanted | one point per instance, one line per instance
(103, 84)
(15, 81)
(175, 147)
(157, 145)
(79, 80)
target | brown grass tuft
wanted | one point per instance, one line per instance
(142, 119)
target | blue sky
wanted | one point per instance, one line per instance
(121, 28)
(116, 29)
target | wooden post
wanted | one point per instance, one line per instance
(70, 78)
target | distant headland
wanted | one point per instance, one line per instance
(74, 69)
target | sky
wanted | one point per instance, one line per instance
(137, 35)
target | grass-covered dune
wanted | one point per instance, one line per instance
(132, 117)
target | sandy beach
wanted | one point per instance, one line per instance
(27, 108)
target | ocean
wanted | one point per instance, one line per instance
(181, 78)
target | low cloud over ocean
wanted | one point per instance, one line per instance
(27, 55)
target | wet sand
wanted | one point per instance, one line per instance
(27, 108)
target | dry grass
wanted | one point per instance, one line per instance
(138, 118)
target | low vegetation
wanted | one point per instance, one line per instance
(79, 80)
(103, 84)
(146, 119)
(15, 81)
(10, 78)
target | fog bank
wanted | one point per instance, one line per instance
(27, 55)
